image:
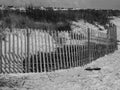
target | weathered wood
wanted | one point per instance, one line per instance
(89, 45)
(0, 53)
(28, 50)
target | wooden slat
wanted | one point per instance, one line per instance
(70, 59)
(60, 53)
(33, 52)
(46, 57)
(49, 45)
(75, 51)
(25, 43)
(5, 54)
(36, 51)
(54, 61)
(66, 52)
(56, 52)
(28, 50)
(44, 63)
(72, 53)
(21, 47)
(10, 48)
(40, 61)
(18, 44)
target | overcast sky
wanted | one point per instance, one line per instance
(98, 4)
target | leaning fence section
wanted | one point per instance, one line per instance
(29, 50)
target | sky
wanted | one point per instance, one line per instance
(97, 4)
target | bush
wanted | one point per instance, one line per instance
(59, 20)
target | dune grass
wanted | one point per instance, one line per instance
(55, 20)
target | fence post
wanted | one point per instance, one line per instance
(89, 44)
(0, 53)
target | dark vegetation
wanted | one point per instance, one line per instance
(54, 20)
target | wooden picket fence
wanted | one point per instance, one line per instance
(32, 50)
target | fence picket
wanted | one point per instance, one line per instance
(25, 37)
(1, 54)
(77, 50)
(46, 54)
(21, 47)
(69, 57)
(32, 53)
(9, 51)
(36, 53)
(56, 51)
(63, 52)
(43, 54)
(5, 53)
(60, 53)
(40, 61)
(52, 54)
(89, 44)
(71, 49)
(49, 50)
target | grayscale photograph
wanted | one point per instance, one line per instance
(59, 44)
